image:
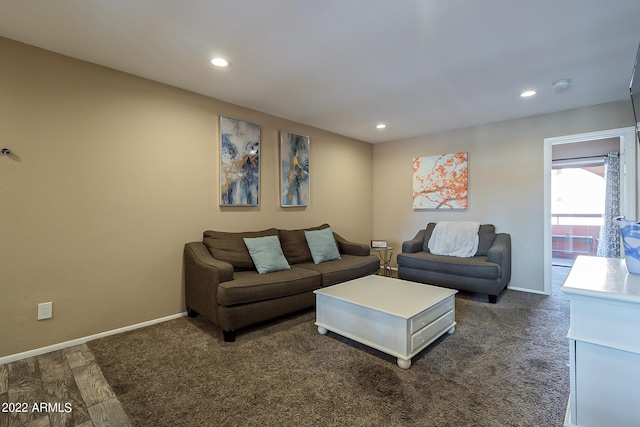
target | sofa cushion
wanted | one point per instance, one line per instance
(322, 245)
(348, 267)
(476, 266)
(427, 236)
(230, 247)
(486, 236)
(266, 254)
(294, 244)
(249, 286)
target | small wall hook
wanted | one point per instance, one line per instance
(5, 151)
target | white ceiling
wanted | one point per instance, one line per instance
(420, 66)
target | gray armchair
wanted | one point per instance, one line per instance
(489, 271)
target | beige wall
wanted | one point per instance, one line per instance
(111, 174)
(506, 174)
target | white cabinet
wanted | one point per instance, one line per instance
(604, 344)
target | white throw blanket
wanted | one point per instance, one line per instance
(455, 238)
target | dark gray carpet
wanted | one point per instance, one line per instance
(506, 365)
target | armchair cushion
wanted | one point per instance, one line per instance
(486, 235)
(476, 266)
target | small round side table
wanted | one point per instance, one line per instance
(385, 255)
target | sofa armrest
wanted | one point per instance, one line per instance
(414, 245)
(351, 248)
(500, 253)
(202, 275)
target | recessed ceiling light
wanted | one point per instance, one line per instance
(528, 93)
(220, 62)
(381, 126)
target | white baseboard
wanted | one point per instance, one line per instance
(531, 291)
(78, 341)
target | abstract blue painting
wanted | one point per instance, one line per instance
(294, 169)
(239, 163)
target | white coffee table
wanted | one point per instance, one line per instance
(394, 316)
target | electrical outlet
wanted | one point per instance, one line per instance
(45, 310)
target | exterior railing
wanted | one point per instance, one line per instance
(575, 234)
(555, 218)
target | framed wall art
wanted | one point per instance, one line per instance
(239, 163)
(294, 170)
(440, 182)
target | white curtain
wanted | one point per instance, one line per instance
(609, 241)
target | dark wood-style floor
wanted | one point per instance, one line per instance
(61, 388)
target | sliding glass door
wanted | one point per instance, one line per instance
(572, 226)
(577, 208)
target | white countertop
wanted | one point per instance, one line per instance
(604, 278)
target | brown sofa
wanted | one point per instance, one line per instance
(223, 285)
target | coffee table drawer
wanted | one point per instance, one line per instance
(431, 331)
(429, 315)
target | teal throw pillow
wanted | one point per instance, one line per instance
(322, 245)
(266, 254)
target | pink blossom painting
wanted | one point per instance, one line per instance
(440, 182)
